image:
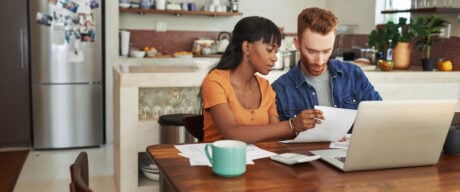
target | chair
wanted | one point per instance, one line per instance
(194, 125)
(79, 174)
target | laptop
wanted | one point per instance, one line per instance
(391, 134)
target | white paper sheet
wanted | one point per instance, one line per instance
(341, 144)
(336, 123)
(196, 155)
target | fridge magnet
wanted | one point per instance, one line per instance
(52, 1)
(69, 4)
(87, 28)
(44, 19)
(77, 34)
(83, 7)
(88, 37)
(68, 35)
(58, 37)
(94, 4)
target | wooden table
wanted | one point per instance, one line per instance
(267, 175)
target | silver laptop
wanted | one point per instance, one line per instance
(390, 134)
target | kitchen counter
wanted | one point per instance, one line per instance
(172, 72)
(392, 85)
(132, 135)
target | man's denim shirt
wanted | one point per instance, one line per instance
(349, 86)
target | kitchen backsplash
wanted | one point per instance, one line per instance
(170, 42)
(154, 102)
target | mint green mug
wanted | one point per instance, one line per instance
(228, 157)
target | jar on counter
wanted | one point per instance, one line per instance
(234, 5)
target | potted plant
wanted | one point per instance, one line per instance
(402, 50)
(426, 27)
(400, 35)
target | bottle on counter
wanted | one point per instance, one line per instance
(387, 64)
(389, 51)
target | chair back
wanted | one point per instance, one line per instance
(194, 125)
(79, 174)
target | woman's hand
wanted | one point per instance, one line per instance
(307, 119)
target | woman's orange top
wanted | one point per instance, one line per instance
(217, 89)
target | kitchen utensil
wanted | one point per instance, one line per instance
(201, 43)
(124, 42)
(224, 40)
(137, 53)
(125, 5)
(191, 6)
(160, 4)
(146, 4)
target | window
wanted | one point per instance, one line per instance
(390, 5)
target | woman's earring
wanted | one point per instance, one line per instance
(247, 57)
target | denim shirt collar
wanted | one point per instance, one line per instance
(332, 66)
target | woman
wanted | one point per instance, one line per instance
(237, 103)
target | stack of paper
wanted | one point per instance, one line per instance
(196, 155)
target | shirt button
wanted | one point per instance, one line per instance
(354, 100)
(335, 106)
(313, 93)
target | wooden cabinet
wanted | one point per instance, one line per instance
(14, 70)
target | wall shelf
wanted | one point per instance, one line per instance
(440, 10)
(178, 12)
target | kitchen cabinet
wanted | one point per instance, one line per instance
(177, 12)
(438, 10)
(14, 70)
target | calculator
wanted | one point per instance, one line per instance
(293, 158)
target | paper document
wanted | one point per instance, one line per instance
(341, 144)
(196, 155)
(336, 123)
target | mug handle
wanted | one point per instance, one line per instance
(207, 152)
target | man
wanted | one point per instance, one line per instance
(317, 80)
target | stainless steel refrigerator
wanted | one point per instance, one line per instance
(66, 61)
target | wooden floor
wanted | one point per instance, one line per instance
(11, 163)
(48, 170)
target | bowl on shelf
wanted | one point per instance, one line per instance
(151, 176)
(137, 53)
(135, 5)
(125, 5)
(151, 53)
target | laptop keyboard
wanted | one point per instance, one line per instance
(342, 159)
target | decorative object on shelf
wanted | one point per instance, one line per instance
(160, 4)
(223, 39)
(191, 6)
(146, 4)
(426, 27)
(234, 5)
(400, 35)
(137, 53)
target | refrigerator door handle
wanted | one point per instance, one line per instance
(21, 45)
